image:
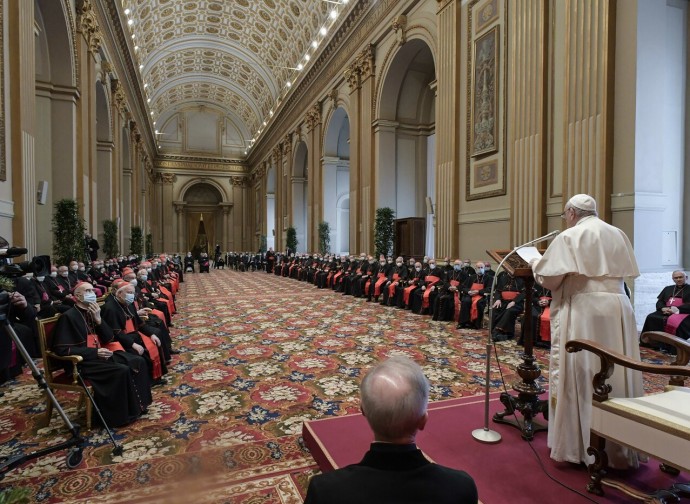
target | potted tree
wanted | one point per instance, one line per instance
(68, 233)
(136, 241)
(291, 239)
(110, 241)
(384, 232)
(324, 237)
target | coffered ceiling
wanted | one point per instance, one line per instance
(238, 58)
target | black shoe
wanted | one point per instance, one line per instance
(174, 351)
(497, 337)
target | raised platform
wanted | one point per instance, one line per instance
(509, 471)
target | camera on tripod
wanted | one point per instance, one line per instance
(39, 265)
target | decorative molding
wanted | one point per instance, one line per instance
(87, 25)
(119, 98)
(313, 117)
(287, 145)
(400, 25)
(333, 95)
(166, 178)
(239, 181)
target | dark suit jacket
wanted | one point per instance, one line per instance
(395, 474)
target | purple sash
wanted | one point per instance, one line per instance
(673, 321)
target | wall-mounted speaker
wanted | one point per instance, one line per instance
(42, 192)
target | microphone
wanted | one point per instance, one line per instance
(540, 239)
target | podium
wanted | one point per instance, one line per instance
(527, 401)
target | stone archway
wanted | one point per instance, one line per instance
(405, 131)
(202, 206)
(336, 179)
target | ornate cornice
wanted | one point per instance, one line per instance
(210, 163)
(87, 25)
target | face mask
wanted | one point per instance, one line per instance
(129, 298)
(74, 268)
(457, 267)
(398, 264)
(102, 270)
(480, 271)
(89, 297)
(444, 263)
(382, 263)
(148, 269)
(82, 269)
(418, 268)
(53, 274)
(425, 260)
(371, 261)
(432, 265)
(133, 282)
(143, 278)
(390, 261)
(64, 274)
(40, 278)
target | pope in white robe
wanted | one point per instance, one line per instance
(585, 267)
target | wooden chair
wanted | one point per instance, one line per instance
(656, 424)
(55, 375)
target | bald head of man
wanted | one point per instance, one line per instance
(395, 394)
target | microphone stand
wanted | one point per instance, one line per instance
(486, 435)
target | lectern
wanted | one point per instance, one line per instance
(527, 401)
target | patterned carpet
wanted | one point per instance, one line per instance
(260, 354)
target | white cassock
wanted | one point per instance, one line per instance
(584, 267)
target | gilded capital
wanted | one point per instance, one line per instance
(238, 181)
(313, 117)
(87, 25)
(365, 62)
(166, 178)
(399, 26)
(352, 76)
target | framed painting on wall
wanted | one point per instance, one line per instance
(484, 124)
(487, 14)
(486, 178)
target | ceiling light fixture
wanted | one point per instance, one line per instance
(141, 67)
(323, 30)
(300, 67)
(288, 83)
(334, 14)
(130, 22)
(314, 44)
(127, 11)
(307, 57)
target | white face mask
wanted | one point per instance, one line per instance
(480, 271)
(129, 298)
(89, 297)
(40, 278)
(418, 269)
(82, 268)
(398, 264)
(74, 268)
(143, 278)
(432, 265)
(64, 274)
(133, 281)
(53, 274)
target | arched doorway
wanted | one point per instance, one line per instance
(104, 157)
(271, 208)
(336, 180)
(55, 111)
(299, 196)
(406, 136)
(203, 218)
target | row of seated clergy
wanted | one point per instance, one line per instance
(124, 355)
(672, 309)
(449, 292)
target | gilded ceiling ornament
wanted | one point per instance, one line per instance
(399, 27)
(366, 62)
(118, 95)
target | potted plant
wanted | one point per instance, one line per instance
(291, 240)
(384, 232)
(136, 241)
(149, 245)
(111, 247)
(324, 237)
(68, 233)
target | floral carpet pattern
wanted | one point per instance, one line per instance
(260, 354)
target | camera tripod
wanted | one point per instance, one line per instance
(75, 444)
